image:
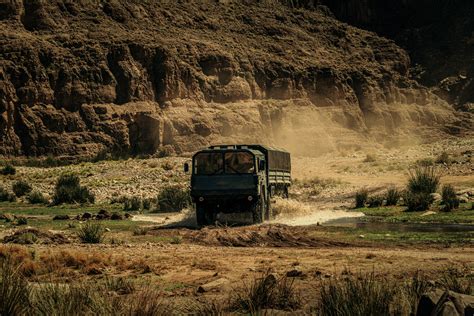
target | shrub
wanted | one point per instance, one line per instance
(14, 291)
(392, 196)
(69, 190)
(361, 198)
(443, 158)
(421, 183)
(375, 201)
(167, 166)
(132, 204)
(36, 197)
(425, 162)
(423, 180)
(8, 170)
(173, 199)
(69, 299)
(356, 295)
(146, 203)
(91, 233)
(450, 199)
(21, 187)
(6, 196)
(418, 202)
(22, 221)
(140, 231)
(370, 158)
(266, 292)
(457, 280)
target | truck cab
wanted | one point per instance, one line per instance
(236, 179)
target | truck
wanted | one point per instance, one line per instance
(237, 179)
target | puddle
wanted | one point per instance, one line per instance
(401, 227)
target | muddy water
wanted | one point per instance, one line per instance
(401, 227)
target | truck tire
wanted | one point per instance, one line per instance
(258, 212)
(201, 215)
(269, 211)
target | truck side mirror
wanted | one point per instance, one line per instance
(186, 167)
(262, 165)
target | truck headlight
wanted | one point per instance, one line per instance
(250, 198)
(201, 199)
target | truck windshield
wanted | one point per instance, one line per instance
(239, 162)
(208, 163)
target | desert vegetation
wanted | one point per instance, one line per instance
(69, 190)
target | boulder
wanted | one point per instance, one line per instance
(61, 217)
(116, 216)
(445, 303)
(213, 285)
(86, 216)
(428, 302)
(294, 273)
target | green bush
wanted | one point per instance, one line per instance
(361, 197)
(69, 190)
(6, 196)
(36, 197)
(392, 196)
(22, 221)
(173, 199)
(418, 202)
(423, 180)
(375, 201)
(21, 187)
(132, 204)
(450, 199)
(421, 183)
(14, 290)
(8, 170)
(91, 233)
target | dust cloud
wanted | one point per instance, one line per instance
(286, 211)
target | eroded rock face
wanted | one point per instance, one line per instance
(80, 77)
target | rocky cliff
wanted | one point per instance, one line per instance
(438, 35)
(80, 77)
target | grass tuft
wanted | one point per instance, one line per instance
(172, 199)
(91, 233)
(392, 196)
(36, 197)
(450, 198)
(21, 188)
(266, 292)
(14, 290)
(361, 197)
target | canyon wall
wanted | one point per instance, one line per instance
(81, 77)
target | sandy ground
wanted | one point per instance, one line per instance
(323, 191)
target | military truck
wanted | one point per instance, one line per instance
(236, 179)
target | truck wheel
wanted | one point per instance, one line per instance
(258, 212)
(210, 216)
(201, 216)
(269, 210)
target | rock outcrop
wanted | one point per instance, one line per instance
(81, 77)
